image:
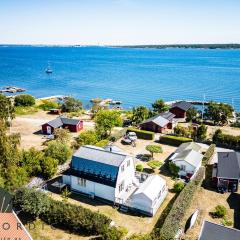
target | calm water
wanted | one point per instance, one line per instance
(134, 76)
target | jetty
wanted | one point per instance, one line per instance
(12, 89)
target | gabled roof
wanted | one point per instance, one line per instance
(96, 164)
(228, 165)
(60, 121)
(189, 146)
(182, 105)
(16, 230)
(190, 156)
(213, 231)
(151, 187)
(161, 119)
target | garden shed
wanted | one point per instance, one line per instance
(149, 196)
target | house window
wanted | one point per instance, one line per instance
(122, 168)
(121, 186)
(82, 182)
(128, 163)
(183, 168)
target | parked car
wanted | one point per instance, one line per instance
(132, 136)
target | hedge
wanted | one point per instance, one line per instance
(142, 134)
(174, 140)
(61, 214)
(173, 221)
(208, 154)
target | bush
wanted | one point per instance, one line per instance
(220, 211)
(173, 168)
(24, 100)
(102, 143)
(172, 222)
(178, 186)
(117, 135)
(88, 137)
(208, 154)
(142, 134)
(71, 105)
(174, 140)
(59, 151)
(139, 167)
(61, 214)
(114, 233)
(47, 105)
(49, 167)
(154, 164)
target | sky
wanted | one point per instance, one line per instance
(119, 22)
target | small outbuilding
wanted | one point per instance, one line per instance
(149, 196)
(226, 172)
(213, 231)
(180, 109)
(73, 125)
(159, 123)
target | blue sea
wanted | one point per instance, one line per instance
(134, 76)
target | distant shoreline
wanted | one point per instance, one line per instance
(148, 46)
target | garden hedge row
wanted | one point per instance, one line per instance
(142, 134)
(173, 221)
(174, 140)
(62, 214)
(208, 154)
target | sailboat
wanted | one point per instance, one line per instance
(48, 69)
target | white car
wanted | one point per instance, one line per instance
(132, 136)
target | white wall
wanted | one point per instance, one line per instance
(92, 188)
(127, 176)
(189, 168)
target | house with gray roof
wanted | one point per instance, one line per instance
(72, 124)
(159, 123)
(109, 174)
(213, 231)
(188, 160)
(226, 172)
(180, 109)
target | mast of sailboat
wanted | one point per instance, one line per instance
(204, 97)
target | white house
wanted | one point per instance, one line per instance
(109, 174)
(150, 195)
(188, 160)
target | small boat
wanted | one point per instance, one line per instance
(48, 69)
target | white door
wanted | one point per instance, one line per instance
(49, 130)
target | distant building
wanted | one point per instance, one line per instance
(226, 171)
(159, 123)
(109, 174)
(73, 125)
(180, 109)
(188, 158)
(213, 231)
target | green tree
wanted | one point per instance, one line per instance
(62, 135)
(87, 137)
(105, 120)
(59, 151)
(47, 105)
(31, 161)
(154, 149)
(139, 114)
(24, 100)
(32, 201)
(173, 168)
(139, 167)
(201, 133)
(159, 106)
(71, 105)
(218, 112)
(49, 167)
(191, 114)
(7, 109)
(220, 211)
